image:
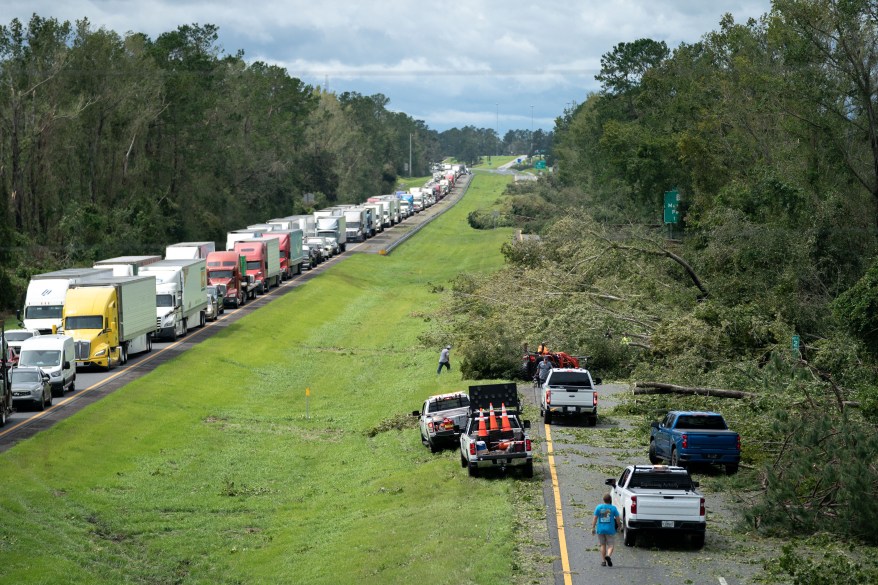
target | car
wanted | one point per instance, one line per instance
(31, 385)
(221, 290)
(14, 338)
(319, 244)
(214, 304)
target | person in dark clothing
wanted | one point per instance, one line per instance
(444, 360)
(543, 370)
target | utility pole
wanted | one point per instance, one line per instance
(410, 155)
(531, 153)
(499, 142)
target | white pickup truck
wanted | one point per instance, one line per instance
(659, 498)
(441, 418)
(495, 447)
(570, 391)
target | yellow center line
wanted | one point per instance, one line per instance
(559, 516)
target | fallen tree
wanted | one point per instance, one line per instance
(662, 388)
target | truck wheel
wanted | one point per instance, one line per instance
(547, 417)
(434, 448)
(653, 458)
(528, 470)
(593, 420)
(473, 470)
(628, 536)
(731, 468)
(2, 415)
(174, 334)
(123, 355)
(202, 319)
(697, 540)
(675, 459)
(462, 460)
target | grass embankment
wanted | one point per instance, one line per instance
(208, 471)
(496, 161)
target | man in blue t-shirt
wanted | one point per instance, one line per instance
(604, 524)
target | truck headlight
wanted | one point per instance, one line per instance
(55, 374)
(168, 320)
(101, 352)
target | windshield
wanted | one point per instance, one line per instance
(84, 322)
(656, 481)
(569, 379)
(18, 335)
(43, 312)
(220, 274)
(254, 265)
(702, 422)
(448, 403)
(26, 376)
(353, 224)
(164, 300)
(40, 357)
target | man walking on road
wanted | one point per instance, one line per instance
(443, 359)
(543, 370)
(604, 524)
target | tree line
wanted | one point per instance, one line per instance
(119, 144)
(768, 283)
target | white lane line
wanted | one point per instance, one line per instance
(722, 581)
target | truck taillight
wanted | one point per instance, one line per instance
(430, 425)
(527, 445)
(594, 399)
(472, 448)
(634, 504)
(548, 397)
(739, 442)
(685, 441)
(701, 510)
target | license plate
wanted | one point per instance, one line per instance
(712, 455)
(667, 523)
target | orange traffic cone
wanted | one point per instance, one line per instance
(483, 432)
(492, 419)
(504, 419)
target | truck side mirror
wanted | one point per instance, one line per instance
(654, 424)
(18, 314)
(597, 381)
(696, 484)
(610, 482)
(66, 365)
(416, 413)
(526, 424)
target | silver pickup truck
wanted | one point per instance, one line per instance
(659, 498)
(500, 444)
(441, 418)
(570, 391)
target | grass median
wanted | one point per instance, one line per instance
(208, 470)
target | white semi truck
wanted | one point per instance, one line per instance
(126, 265)
(331, 226)
(44, 300)
(180, 295)
(189, 250)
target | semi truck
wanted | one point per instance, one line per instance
(374, 210)
(110, 319)
(384, 207)
(263, 261)
(292, 256)
(189, 250)
(392, 207)
(230, 269)
(126, 265)
(46, 293)
(235, 236)
(180, 296)
(332, 226)
(355, 224)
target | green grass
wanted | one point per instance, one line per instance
(207, 470)
(496, 161)
(404, 184)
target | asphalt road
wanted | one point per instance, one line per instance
(92, 385)
(582, 458)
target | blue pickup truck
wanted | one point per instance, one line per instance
(694, 437)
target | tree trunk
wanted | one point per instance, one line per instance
(662, 388)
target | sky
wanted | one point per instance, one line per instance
(489, 64)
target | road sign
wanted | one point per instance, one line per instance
(540, 164)
(672, 206)
(795, 342)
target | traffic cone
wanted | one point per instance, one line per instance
(492, 419)
(505, 428)
(483, 432)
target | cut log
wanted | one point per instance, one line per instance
(662, 388)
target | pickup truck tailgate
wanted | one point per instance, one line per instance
(571, 396)
(712, 440)
(657, 506)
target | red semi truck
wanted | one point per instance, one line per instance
(263, 261)
(229, 269)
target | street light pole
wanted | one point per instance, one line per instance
(531, 131)
(499, 142)
(410, 155)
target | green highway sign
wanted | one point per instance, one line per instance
(540, 164)
(672, 206)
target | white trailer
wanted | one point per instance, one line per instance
(333, 226)
(44, 300)
(189, 250)
(180, 295)
(126, 265)
(240, 235)
(356, 223)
